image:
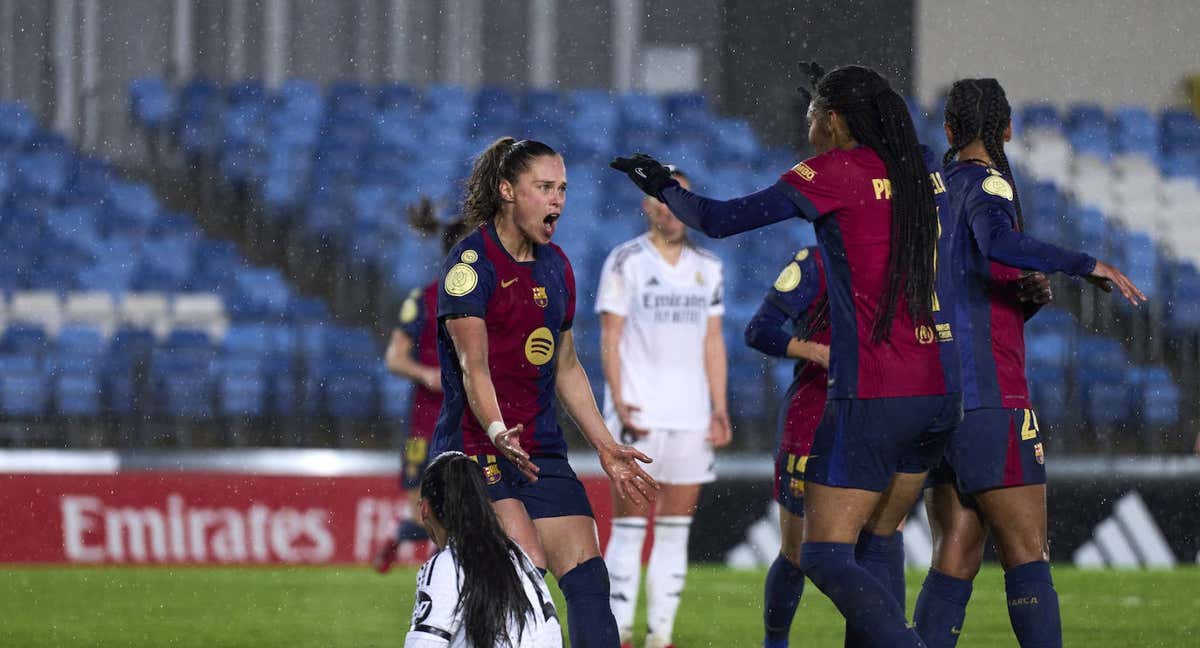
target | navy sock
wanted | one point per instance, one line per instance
(1033, 605)
(590, 621)
(878, 555)
(896, 568)
(781, 595)
(866, 604)
(942, 609)
(411, 531)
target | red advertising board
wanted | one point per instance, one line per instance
(210, 518)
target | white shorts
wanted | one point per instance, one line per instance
(680, 456)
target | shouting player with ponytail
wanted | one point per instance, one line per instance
(995, 459)
(893, 390)
(506, 307)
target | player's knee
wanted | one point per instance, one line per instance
(958, 559)
(1022, 551)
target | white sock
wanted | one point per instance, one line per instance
(623, 556)
(665, 576)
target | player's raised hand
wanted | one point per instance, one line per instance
(1106, 276)
(650, 175)
(508, 443)
(620, 463)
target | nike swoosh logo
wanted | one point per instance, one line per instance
(955, 631)
(506, 284)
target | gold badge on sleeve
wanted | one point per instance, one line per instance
(789, 278)
(802, 254)
(461, 280)
(998, 186)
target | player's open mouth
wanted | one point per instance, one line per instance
(548, 224)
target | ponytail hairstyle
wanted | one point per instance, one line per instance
(505, 159)
(879, 119)
(978, 109)
(493, 594)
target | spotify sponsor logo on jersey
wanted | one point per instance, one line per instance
(539, 346)
(675, 307)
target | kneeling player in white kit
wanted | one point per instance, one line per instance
(665, 367)
(479, 590)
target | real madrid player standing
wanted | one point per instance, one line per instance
(506, 346)
(665, 369)
(995, 459)
(412, 353)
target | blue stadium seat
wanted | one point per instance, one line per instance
(150, 102)
(24, 339)
(24, 387)
(1038, 116)
(17, 125)
(1135, 131)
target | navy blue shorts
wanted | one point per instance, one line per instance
(993, 448)
(416, 459)
(863, 443)
(556, 493)
(789, 482)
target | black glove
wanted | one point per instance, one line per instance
(650, 175)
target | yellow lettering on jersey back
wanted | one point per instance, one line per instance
(939, 187)
(883, 188)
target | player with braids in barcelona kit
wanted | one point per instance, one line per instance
(994, 460)
(893, 388)
(660, 303)
(506, 347)
(412, 353)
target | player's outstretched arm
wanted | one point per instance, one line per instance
(619, 461)
(469, 335)
(716, 218)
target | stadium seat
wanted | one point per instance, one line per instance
(145, 311)
(41, 308)
(150, 102)
(199, 311)
(94, 308)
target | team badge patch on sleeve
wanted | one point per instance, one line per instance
(802, 254)
(461, 280)
(469, 256)
(998, 186)
(789, 278)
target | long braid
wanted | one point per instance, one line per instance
(978, 109)
(878, 118)
(964, 115)
(997, 115)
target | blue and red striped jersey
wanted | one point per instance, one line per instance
(847, 194)
(526, 306)
(797, 299)
(992, 252)
(418, 320)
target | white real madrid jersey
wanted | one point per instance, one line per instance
(666, 310)
(437, 621)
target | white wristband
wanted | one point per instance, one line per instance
(495, 429)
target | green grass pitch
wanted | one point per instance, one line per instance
(292, 607)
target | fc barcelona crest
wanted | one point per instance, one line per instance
(539, 296)
(796, 486)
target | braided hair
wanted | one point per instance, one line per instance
(978, 109)
(878, 118)
(492, 592)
